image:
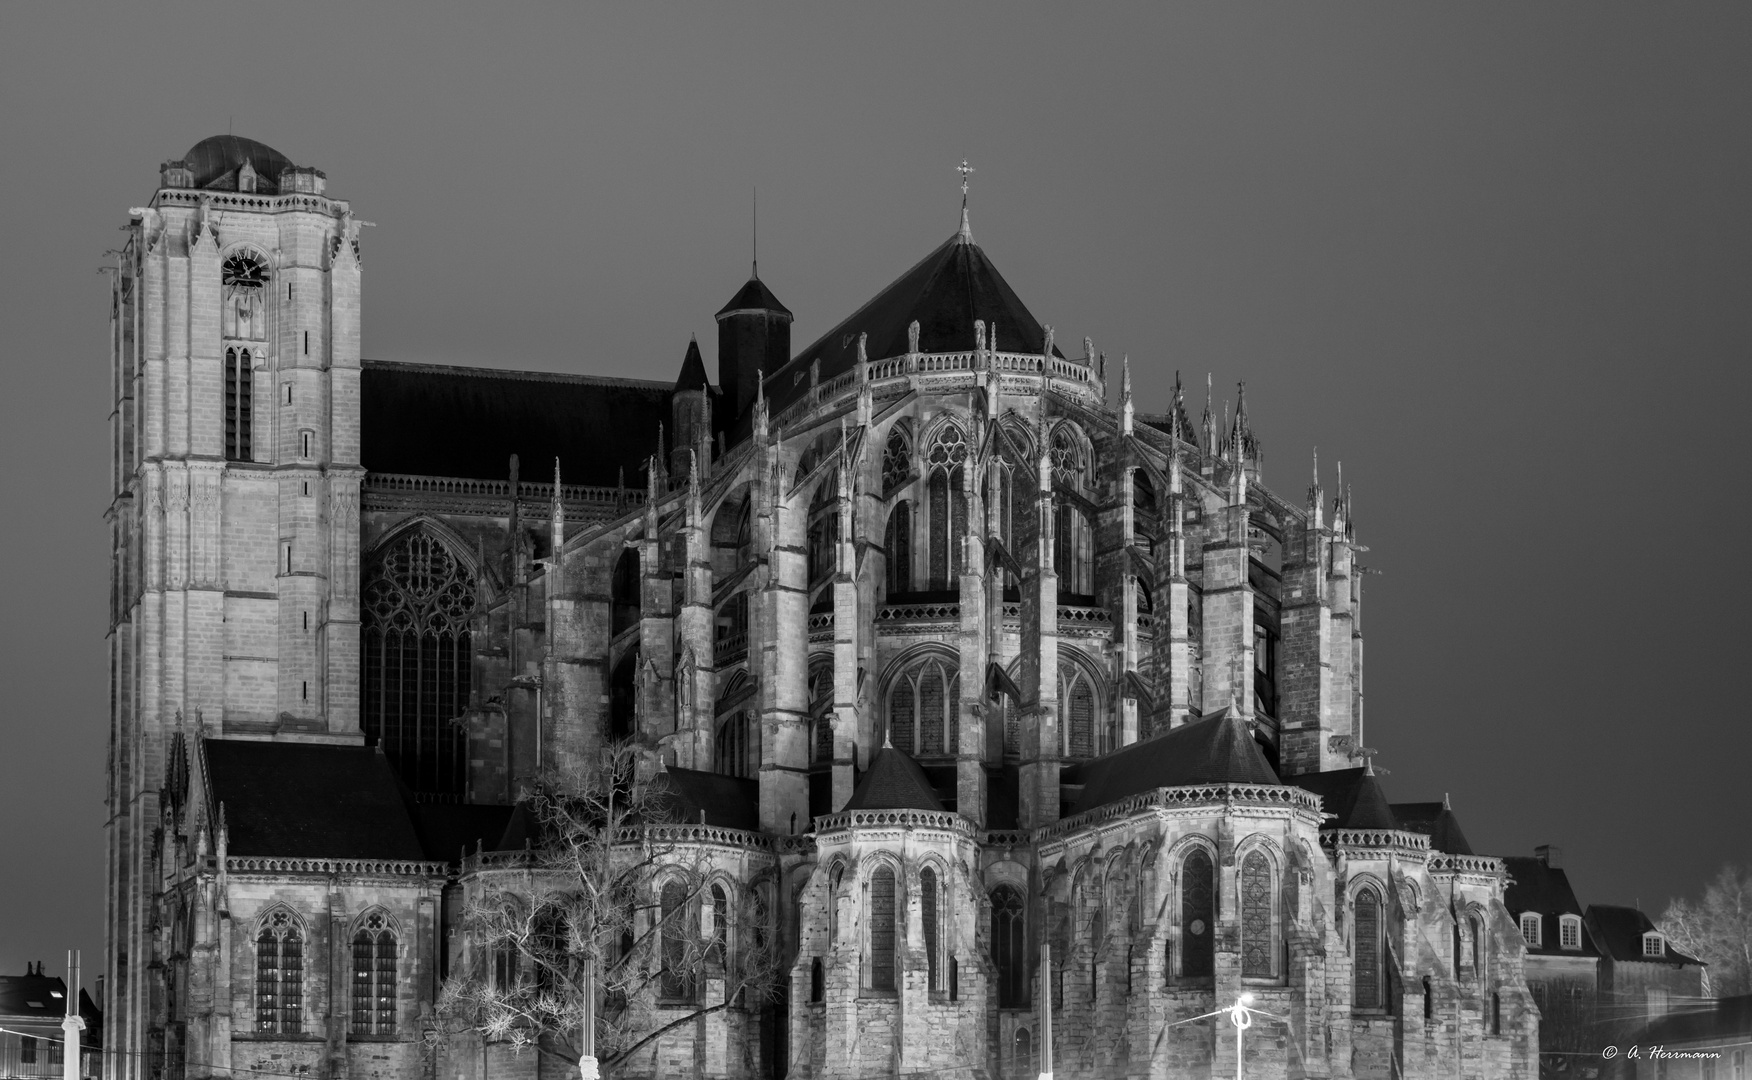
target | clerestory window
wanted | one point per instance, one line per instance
(923, 709)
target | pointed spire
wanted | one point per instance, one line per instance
(760, 407)
(693, 487)
(1446, 805)
(1209, 421)
(558, 519)
(1125, 395)
(965, 234)
(1241, 441)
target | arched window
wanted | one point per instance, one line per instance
(821, 708)
(623, 695)
(948, 505)
(280, 974)
(239, 398)
(924, 708)
(1022, 1057)
(834, 878)
(816, 981)
(419, 599)
(1010, 946)
(1479, 949)
(1366, 954)
(1258, 943)
(625, 597)
(245, 285)
(1018, 495)
(928, 920)
(898, 541)
(824, 526)
(1078, 695)
(896, 459)
(1073, 556)
(374, 956)
(882, 936)
(678, 981)
(737, 746)
(1145, 520)
(1198, 915)
(720, 924)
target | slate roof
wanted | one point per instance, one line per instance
(1619, 930)
(1354, 795)
(728, 802)
(1722, 1020)
(447, 829)
(1537, 887)
(435, 420)
(315, 801)
(1436, 821)
(693, 369)
(1217, 749)
(754, 296)
(217, 155)
(948, 289)
(894, 781)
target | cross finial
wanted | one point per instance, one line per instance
(964, 169)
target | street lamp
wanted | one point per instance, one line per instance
(1242, 1017)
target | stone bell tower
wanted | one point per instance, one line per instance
(235, 492)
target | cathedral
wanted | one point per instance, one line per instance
(1028, 714)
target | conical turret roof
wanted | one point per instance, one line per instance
(894, 781)
(693, 369)
(754, 296)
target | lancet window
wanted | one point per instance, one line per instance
(1198, 915)
(280, 974)
(625, 597)
(1258, 942)
(896, 460)
(947, 504)
(928, 924)
(374, 957)
(882, 933)
(898, 542)
(678, 980)
(419, 600)
(1018, 493)
(1084, 736)
(737, 749)
(1010, 946)
(1073, 539)
(239, 398)
(923, 708)
(821, 708)
(245, 287)
(1367, 952)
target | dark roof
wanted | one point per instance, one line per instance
(1538, 887)
(1727, 1018)
(754, 296)
(726, 801)
(216, 156)
(1619, 931)
(693, 369)
(445, 829)
(304, 800)
(946, 291)
(1217, 749)
(431, 420)
(42, 997)
(894, 782)
(1436, 821)
(1354, 795)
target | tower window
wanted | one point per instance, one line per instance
(304, 441)
(238, 386)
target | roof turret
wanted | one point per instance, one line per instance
(894, 782)
(693, 369)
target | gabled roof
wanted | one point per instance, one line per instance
(1218, 749)
(1619, 932)
(693, 369)
(1545, 890)
(946, 291)
(434, 420)
(1436, 821)
(1354, 795)
(894, 781)
(36, 998)
(312, 801)
(754, 296)
(689, 795)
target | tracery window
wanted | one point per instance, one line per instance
(924, 708)
(824, 528)
(1010, 946)
(898, 542)
(928, 922)
(948, 505)
(1073, 539)
(374, 956)
(1078, 695)
(737, 747)
(882, 936)
(239, 396)
(821, 708)
(625, 596)
(1366, 955)
(896, 460)
(1145, 519)
(280, 974)
(419, 599)
(1258, 943)
(1197, 915)
(245, 281)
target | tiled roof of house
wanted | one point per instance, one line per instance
(1218, 749)
(1436, 821)
(433, 420)
(1353, 795)
(313, 801)
(894, 781)
(1619, 932)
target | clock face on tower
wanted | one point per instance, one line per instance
(244, 272)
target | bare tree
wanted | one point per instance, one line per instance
(609, 918)
(1717, 930)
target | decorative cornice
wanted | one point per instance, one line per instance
(895, 819)
(258, 864)
(1193, 796)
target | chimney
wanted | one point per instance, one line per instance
(1549, 854)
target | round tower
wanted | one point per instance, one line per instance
(754, 339)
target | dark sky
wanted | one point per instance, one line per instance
(1496, 258)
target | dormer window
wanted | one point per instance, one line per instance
(245, 278)
(1654, 944)
(1530, 928)
(1570, 931)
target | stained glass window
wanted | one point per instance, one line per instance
(1257, 946)
(923, 709)
(1079, 700)
(1009, 946)
(896, 460)
(419, 600)
(678, 980)
(902, 715)
(374, 956)
(899, 544)
(928, 920)
(280, 975)
(1197, 915)
(882, 929)
(1366, 957)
